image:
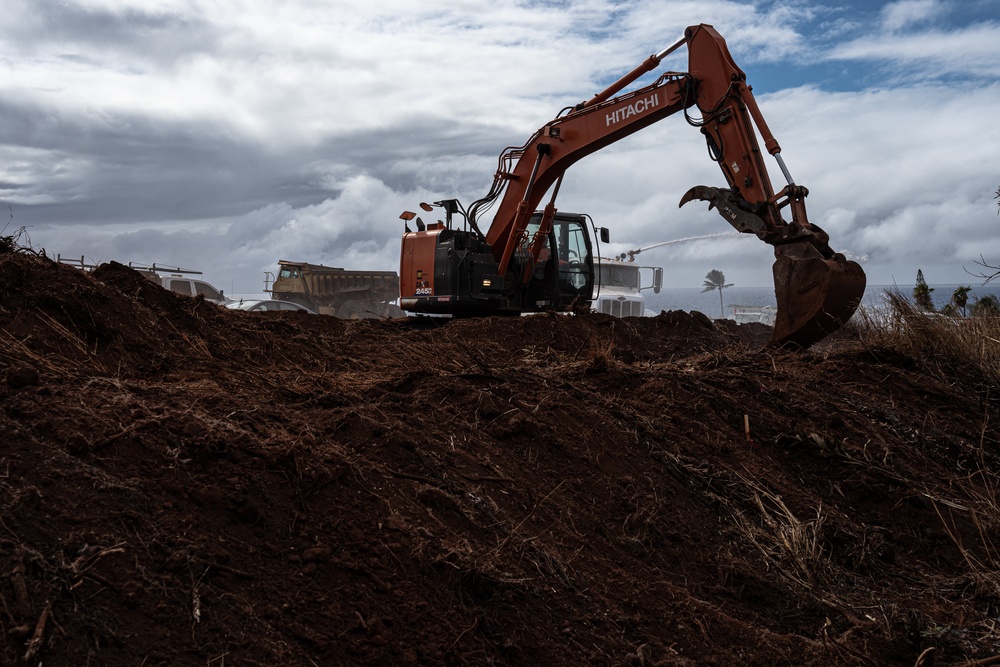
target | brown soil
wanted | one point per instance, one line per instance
(186, 485)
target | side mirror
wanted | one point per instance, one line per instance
(605, 235)
(657, 279)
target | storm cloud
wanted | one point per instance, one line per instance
(229, 135)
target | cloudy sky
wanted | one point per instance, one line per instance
(223, 135)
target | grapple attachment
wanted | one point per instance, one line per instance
(815, 296)
(817, 290)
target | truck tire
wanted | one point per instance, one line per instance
(357, 310)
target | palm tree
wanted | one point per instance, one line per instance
(922, 293)
(715, 279)
(960, 298)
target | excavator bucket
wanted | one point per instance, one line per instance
(815, 296)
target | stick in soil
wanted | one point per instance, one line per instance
(21, 590)
(36, 639)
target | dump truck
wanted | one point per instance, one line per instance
(344, 293)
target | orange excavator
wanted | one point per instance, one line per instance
(533, 259)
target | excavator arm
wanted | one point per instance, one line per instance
(525, 174)
(817, 290)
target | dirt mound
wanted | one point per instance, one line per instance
(185, 485)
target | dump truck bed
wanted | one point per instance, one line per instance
(336, 291)
(325, 281)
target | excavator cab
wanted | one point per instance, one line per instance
(563, 276)
(453, 271)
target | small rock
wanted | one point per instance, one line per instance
(19, 377)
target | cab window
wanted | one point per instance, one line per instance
(574, 254)
(522, 252)
(207, 291)
(619, 276)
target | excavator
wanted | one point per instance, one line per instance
(534, 259)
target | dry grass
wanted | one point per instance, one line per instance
(937, 340)
(982, 570)
(792, 546)
(958, 347)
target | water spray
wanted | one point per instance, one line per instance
(630, 255)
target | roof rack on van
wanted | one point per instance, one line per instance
(78, 263)
(154, 267)
(81, 263)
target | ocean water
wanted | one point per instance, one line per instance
(692, 298)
